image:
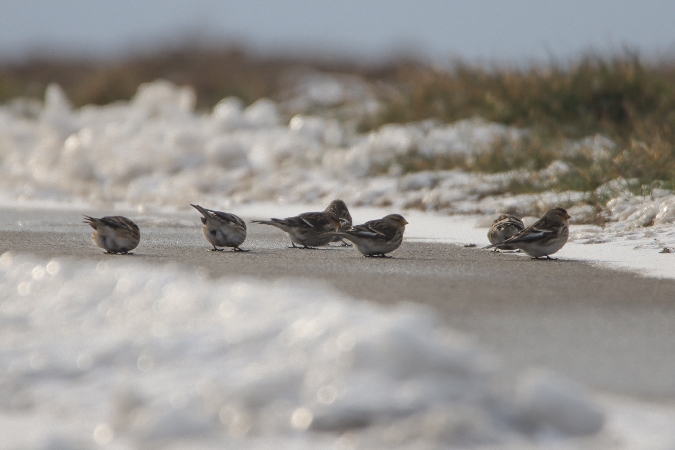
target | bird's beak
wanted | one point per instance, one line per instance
(405, 222)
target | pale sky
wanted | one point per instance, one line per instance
(513, 31)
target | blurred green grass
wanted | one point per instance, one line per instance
(621, 97)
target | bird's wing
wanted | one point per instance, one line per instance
(118, 222)
(319, 221)
(374, 229)
(534, 232)
(227, 217)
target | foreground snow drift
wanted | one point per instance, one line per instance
(138, 356)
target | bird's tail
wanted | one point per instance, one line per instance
(91, 221)
(499, 246)
(279, 223)
(341, 235)
(204, 212)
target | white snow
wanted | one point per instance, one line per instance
(155, 149)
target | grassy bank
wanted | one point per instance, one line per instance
(620, 97)
(630, 102)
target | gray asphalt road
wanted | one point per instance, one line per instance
(607, 329)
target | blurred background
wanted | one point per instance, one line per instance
(565, 70)
(516, 31)
(67, 41)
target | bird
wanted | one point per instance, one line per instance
(310, 230)
(114, 234)
(376, 238)
(339, 208)
(544, 237)
(504, 227)
(222, 229)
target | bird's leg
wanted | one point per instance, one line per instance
(293, 245)
(215, 249)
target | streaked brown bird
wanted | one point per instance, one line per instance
(504, 227)
(114, 234)
(544, 237)
(339, 208)
(377, 237)
(310, 230)
(222, 229)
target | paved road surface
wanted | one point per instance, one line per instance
(607, 329)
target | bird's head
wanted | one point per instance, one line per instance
(558, 214)
(396, 219)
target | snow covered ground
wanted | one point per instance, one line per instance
(136, 357)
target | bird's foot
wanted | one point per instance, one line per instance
(237, 249)
(214, 249)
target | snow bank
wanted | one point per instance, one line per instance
(155, 149)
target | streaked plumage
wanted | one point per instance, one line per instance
(307, 229)
(544, 237)
(377, 237)
(114, 234)
(222, 229)
(339, 208)
(504, 227)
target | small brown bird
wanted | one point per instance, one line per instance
(544, 237)
(504, 227)
(339, 208)
(114, 234)
(222, 229)
(377, 237)
(311, 229)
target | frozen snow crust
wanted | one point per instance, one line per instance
(138, 356)
(155, 149)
